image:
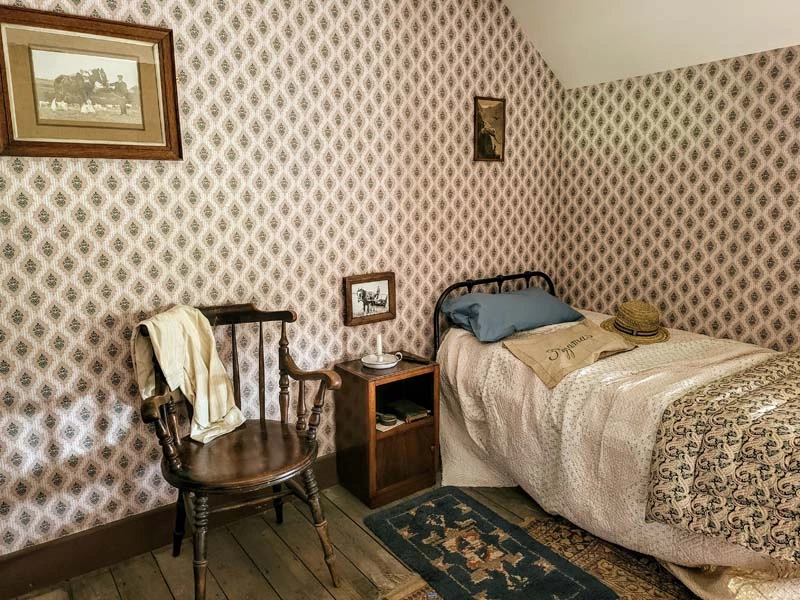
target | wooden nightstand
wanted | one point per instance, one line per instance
(379, 467)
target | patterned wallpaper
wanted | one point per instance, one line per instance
(682, 188)
(322, 138)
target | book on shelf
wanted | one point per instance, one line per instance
(406, 410)
(383, 428)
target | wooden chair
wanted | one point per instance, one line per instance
(261, 454)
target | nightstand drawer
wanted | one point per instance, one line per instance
(405, 456)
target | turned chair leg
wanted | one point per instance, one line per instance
(278, 504)
(320, 524)
(199, 538)
(180, 525)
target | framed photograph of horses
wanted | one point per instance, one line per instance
(84, 87)
(369, 298)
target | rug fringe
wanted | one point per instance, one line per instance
(414, 584)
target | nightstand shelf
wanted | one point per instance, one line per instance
(426, 422)
(381, 466)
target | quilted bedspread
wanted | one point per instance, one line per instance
(726, 461)
(583, 450)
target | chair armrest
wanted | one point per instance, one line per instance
(328, 380)
(331, 379)
(150, 407)
(165, 426)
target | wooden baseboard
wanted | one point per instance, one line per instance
(50, 563)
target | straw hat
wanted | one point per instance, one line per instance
(637, 322)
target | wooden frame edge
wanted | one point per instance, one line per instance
(349, 319)
(5, 127)
(475, 130)
(162, 37)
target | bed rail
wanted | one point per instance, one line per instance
(498, 280)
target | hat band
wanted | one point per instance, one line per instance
(636, 332)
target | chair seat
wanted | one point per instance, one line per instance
(252, 456)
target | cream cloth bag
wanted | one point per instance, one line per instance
(554, 354)
(183, 343)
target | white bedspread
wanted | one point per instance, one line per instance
(583, 449)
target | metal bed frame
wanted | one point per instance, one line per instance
(498, 280)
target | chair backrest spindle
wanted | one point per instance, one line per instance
(235, 314)
(262, 384)
(283, 381)
(237, 386)
(302, 422)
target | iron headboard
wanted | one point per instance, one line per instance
(471, 283)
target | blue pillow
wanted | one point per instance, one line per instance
(492, 317)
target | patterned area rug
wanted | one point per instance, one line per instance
(464, 550)
(630, 575)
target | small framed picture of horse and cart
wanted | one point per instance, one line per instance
(84, 87)
(369, 298)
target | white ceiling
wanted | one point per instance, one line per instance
(592, 41)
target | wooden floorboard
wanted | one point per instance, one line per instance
(98, 585)
(178, 572)
(259, 559)
(233, 569)
(514, 500)
(140, 578)
(379, 566)
(59, 593)
(301, 537)
(356, 510)
(287, 574)
(489, 503)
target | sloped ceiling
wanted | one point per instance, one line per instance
(592, 41)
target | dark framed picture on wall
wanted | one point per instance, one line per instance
(490, 128)
(369, 298)
(83, 87)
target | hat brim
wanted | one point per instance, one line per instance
(639, 340)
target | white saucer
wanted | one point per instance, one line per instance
(384, 361)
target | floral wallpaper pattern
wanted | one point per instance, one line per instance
(682, 188)
(322, 138)
(330, 138)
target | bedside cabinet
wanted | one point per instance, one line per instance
(381, 466)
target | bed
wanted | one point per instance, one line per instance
(597, 428)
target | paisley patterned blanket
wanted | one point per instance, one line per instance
(726, 461)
